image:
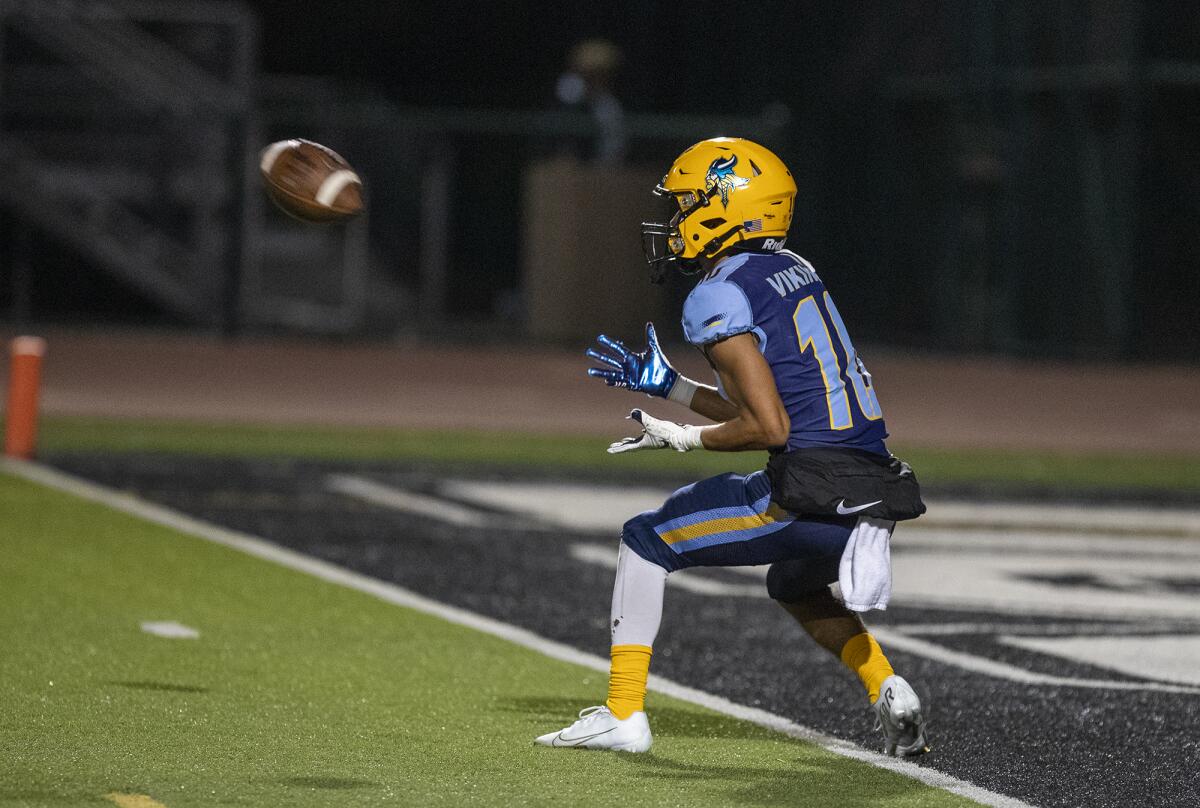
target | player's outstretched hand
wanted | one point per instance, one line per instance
(645, 371)
(658, 434)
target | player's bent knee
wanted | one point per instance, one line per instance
(794, 581)
(639, 535)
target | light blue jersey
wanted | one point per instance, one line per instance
(779, 298)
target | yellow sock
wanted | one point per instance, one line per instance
(863, 655)
(627, 679)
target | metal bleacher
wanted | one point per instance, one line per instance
(129, 130)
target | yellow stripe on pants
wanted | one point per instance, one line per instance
(724, 525)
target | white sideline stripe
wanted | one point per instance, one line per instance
(990, 667)
(259, 548)
(406, 501)
(333, 185)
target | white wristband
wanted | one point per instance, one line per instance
(689, 438)
(683, 391)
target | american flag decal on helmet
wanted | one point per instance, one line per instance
(752, 226)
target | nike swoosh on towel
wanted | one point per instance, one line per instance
(844, 511)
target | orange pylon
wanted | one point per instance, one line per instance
(24, 380)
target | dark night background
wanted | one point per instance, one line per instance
(868, 164)
(1021, 178)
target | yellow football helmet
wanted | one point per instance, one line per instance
(726, 192)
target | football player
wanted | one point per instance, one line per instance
(789, 382)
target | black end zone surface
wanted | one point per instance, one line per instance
(1051, 746)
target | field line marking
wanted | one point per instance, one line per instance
(1125, 520)
(133, 800)
(1103, 629)
(391, 593)
(375, 493)
(896, 637)
(595, 504)
(607, 557)
(1002, 670)
(171, 629)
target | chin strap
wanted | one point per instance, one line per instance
(717, 243)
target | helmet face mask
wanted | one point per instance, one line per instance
(726, 193)
(662, 242)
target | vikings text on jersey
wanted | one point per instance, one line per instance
(781, 300)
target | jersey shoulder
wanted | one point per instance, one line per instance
(717, 308)
(734, 298)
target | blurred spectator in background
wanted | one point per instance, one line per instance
(587, 85)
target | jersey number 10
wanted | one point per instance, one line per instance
(812, 330)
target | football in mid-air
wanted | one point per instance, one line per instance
(311, 182)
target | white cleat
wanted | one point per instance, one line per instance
(898, 714)
(598, 728)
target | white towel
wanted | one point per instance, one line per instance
(865, 571)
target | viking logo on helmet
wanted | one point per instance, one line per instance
(720, 175)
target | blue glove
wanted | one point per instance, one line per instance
(646, 372)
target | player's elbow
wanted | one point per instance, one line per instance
(777, 435)
(774, 429)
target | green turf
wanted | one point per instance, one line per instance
(299, 692)
(934, 466)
